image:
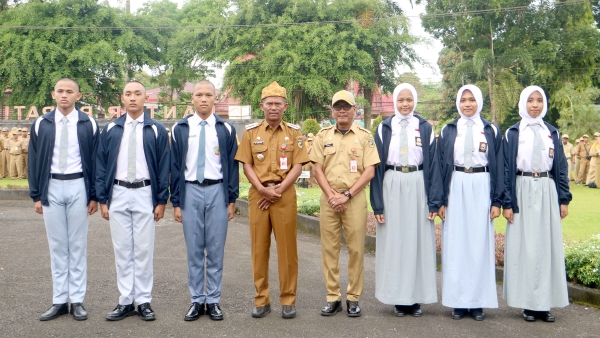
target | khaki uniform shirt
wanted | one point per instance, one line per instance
(1, 144)
(335, 151)
(25, 145)
(261, 147)
(581, 150)
(15, 147)
(568, 148)
(595, 149)
(6, 140)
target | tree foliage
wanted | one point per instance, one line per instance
(310, 126)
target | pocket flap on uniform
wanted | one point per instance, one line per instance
(329, 151)
(260, 148)
(357, 151)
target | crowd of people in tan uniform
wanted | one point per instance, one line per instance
(13, 153)
(583, 158)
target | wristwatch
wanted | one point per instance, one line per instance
(348, 194)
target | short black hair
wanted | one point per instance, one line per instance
(205, 81)
(69, 80)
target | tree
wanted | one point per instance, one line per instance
(578, 115)
(315, 60)
(32, 60)
(310, 126)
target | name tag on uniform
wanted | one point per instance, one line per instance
(257, 143)
(283, 165)
(353, 166)
(328, 145)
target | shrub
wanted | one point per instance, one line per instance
(309, 207)
(310, 126)
(376, 123)
(582, 262)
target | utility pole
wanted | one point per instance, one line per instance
(128, 6)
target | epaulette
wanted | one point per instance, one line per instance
(363, 129)
(293, 126)
(252, 126)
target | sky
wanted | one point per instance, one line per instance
(429, 51)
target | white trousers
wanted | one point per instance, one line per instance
(66, 220)
(132, 228)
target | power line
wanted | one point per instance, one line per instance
(289, 24)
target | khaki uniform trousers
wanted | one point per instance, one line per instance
(584, 166)
(354, 223)
(15, 165)
(280, 219)
(5, 158)
(597, 178)
(312, 181)
(2, 167)
(591, 176)
(571, 164)
(24, 165)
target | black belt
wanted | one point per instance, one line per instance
(66, 177)
(472, 170)
(205, 183)
(270, 184)
(133, 185)
(534, 174)
(404, 169)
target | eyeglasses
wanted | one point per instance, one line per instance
(345, 107)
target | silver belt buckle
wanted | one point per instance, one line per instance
(536, 175)
(469, 170)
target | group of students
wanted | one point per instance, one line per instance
(465, 178)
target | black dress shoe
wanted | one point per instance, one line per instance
(529, 315)
(332, 308)
(400, 310)
(416, 311)
(352, 309)
(55, 311)
(476, 314)
(78, 311)
(145, 312)
(261, 311)
(459, 313)
(121, 311)
(195, 311)
(546, 316)
(288, 311)
(214, 311)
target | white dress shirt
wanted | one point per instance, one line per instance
(212, 164)
(141, 166)
(415, 153)
(480, 158)
(73, 152)
(524, 153)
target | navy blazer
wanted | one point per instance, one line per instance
(495, 160)
(41, 150)
(559, 168)
(431, 170)
(156, 151)
(229, 166)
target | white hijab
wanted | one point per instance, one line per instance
(526, 119)
(478, 97)
(397, 91)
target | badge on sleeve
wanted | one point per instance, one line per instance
(482, 147)
(371, 142)
(418, 142)
(551, 152)
(300, 142)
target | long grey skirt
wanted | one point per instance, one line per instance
(405, 257)
(534, 260)
(468, 262)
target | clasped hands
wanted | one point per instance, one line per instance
(337, 201)
(270, 195)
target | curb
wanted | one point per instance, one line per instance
(16, 195)
(310, 224)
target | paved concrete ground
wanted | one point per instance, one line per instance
(25, 293)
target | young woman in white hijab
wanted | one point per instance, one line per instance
(470, 151)
(406, 194)
(536, 198)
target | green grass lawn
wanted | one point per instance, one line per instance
(6, 183)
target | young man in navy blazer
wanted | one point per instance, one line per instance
(61, 183)
(204, 187)
(132, 184)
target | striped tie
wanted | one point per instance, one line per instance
(469, 144)
(64, 146)
(201, 153)
(536, 154)
(403, 143)
(131, 152)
